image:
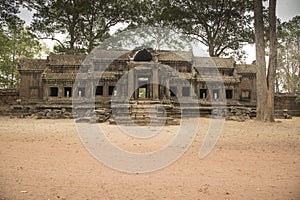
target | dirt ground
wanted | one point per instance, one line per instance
(45, 159)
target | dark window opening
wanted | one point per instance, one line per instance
(189, 70)
(229, 94)
(173, 91)
(203, 93)
(99, 90)
(81, 92)
(216, 94)
(111, 90)
(53, 91)
(67, 91)
(185, 91)
(143, 55)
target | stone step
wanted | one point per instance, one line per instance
(144, 122)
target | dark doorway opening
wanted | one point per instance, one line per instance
(203, 93)
(81, 92)
(216, 94)
(99, 90)
(229, 94)
(67, 91)
(53, 91)
(111, 90)
(173, 91)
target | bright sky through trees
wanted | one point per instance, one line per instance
(286, 10)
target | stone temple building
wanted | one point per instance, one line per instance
(50, 82)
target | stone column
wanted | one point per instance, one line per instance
(130, 83)
(179, 88)
(105, 89)
(60, 91)
(168, 88)
(155, 81)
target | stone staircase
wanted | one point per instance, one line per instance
(145, 113)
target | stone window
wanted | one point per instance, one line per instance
(53, 91)
(99, 90)
(173, 91)
(245, 94)
(203, 93)
(229, 94)
(111, 90)
(185, 91)
(81, 92)
(216, 94)
(68, 91)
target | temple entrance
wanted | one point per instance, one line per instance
(143, 90)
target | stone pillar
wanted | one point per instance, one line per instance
(167, 88)
(155, 81)
(130, 83)
(222, 93)
(179, 88)
(105, 88)
(60, 91)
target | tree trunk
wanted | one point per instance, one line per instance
(260, 60)
(298, 47)
(269, 115)
(298, 86)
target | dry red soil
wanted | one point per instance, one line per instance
(45, 159)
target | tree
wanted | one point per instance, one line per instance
(265, 83)
(17, 42)
(220, 25)
(8, 11)
(288, 71)
(146, 27)
(85, 22)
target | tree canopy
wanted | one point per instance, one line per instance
(17, 42)
(288, 71)
(220, 25)
(85, 22)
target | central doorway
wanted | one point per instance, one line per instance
(143, 90)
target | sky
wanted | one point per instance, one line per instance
(286, 10)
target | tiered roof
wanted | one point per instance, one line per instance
(246, 69)
(32, 64)
(62, 60)
(209, 62)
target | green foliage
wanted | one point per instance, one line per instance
(9, 9)
(85, 22)
(289, 55)
(150, 28)
(17, 42)
(220, 25)
(147, 36)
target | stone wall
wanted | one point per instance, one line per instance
(287, 102)
(8, 96)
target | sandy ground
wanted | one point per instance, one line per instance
(45, 159)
